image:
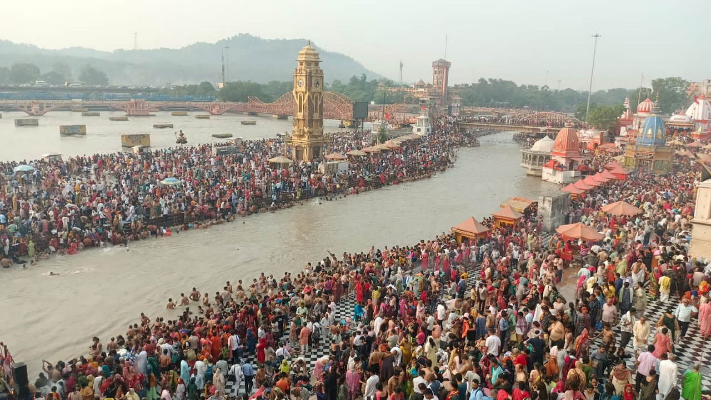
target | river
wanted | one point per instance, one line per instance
(101, 291)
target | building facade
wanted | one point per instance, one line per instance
(650, 152)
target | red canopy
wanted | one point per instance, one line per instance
(581, 185)
(572, 189)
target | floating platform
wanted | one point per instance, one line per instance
(179, 113)
(72, 130)
(250, 122)
(118, 118)
(26, 122)
(162, 126)
(143, 140)
(279, 116)
(90, 114)
(202, 116)
(222, 135)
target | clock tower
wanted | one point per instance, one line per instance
(307, 133)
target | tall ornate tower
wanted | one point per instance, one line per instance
(307, 134)
(440, 80)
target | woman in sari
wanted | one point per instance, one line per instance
(705, 320)
(261, 347)
(669, 321)
(620, 376)
(654, 283)
(582, 343)
(691, 384)
(662, 343)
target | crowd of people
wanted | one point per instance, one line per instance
(436, 320)
(66, 205)
(542, 119)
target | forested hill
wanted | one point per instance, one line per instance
(250, 59)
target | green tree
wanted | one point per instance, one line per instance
(671, 93)
(53, 78)
(205, 88)
(64, 70)
(240, 91)
(24, 73)
(93, 76)
(605, 117)
(5, 76)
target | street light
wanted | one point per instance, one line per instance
(592, 71)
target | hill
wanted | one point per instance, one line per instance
(250, 58)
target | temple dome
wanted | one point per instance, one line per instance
(544, 145)
(566, 143)
(645, 107)
(653, 132)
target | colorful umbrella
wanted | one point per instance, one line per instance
(579, 231)
(24, 168)
(621, 208)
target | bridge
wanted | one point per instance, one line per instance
(522, 121)
(336, 106)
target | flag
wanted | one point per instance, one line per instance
(388, 116)
(424, 108)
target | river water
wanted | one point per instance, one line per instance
(101, 291)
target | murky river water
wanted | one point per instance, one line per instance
(99, 292)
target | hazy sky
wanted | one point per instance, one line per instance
(527, 41)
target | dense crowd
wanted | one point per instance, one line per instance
(542, 119)
(66, 205)
(439, 319)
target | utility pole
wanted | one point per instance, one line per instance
(227, 62)
(400, 72)
(446, 39)
(223, 68)
(559, 84)
(592, 71)
(135, 40)
(548, 73)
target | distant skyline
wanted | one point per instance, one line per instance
(528, 42)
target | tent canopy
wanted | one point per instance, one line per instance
(572, 189)
(590, 181)
(335, 156)
(470, 228)
(518, 203)
(582, 185)
(621, 208)
(507, 213)
(579, 231)
(280, 160)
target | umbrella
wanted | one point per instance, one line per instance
(392, 144)
(172, 181)
(280, 160)
(579, 231)
(24, 168)
(335, 156)
(357, 153)
(371, 149)
(621, 208)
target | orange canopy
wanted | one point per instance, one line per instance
(619, 170)
(600, 178)
(607, 174)
(507, 212)
(579, 231)
(581, 185)
(572, 189)
(470, 228)
(621, 208)
(591, 182)
(612, 165)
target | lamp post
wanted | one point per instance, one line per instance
(592, 71)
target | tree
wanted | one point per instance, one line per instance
(24, 73)
(53, 78)
(240, 91)
(671, 93)
(64, 70)
(605, 117)
(92, 76)
(205, 88)
(5, 76)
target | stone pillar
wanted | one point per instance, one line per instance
(551, 210)
(701, 239)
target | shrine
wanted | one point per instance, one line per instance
(565, 161)
(650, 153)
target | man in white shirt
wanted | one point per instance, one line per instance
(376, 324)
(420, 378)
(493, 343)
(668, 374)
(683, 313)
(370, 386)
(641, 330)
(627, 322)
(441, 313)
